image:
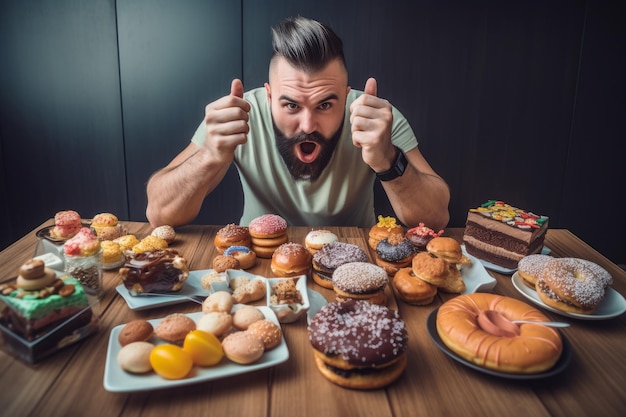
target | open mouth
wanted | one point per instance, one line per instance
(307, 151)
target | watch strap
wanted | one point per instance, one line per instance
(396, 170)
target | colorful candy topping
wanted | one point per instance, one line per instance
(513, 216)
(424, 231)
(387, 222)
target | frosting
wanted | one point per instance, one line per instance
(513, 216)
(84, 243)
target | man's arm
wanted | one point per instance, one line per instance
(176, 192)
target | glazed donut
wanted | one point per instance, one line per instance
(316, 239)
(445, 248)
(245, 256)
(360, 281)
(359, 345)
(529, 267)
(478, 328)
(267, 226)
(394, 252)
(572, 285)
(420, 235)
(385, 227)
(231, 235)
(411, 289)
(290, 260)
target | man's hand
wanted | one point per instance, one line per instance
(371, 120)
(226, 122)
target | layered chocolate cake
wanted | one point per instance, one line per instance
(502, 234)
(161, 271)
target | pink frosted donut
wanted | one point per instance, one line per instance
(267, 226)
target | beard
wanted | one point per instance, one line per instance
(307, 142)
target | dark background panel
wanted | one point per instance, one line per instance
(60, 117)
(175, 58)
(519, 101)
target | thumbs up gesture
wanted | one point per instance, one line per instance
(371, 119)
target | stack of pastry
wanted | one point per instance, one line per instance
(440, 264)
(267, 232)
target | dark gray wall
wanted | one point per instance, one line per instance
(519, 101)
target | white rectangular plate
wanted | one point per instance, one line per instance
(118, 380)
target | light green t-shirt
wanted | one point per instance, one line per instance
(343, 195)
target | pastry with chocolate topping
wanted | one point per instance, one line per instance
(331, 256)
(161, 271)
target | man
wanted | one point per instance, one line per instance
(306, 146)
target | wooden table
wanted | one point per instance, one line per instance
(70, 383)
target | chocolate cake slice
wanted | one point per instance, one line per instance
(501, 234)
(161, 271)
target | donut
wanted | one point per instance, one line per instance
(315, 239)
(267, 226)
(478, 328)
(331, 256)
(446, 248)
(360, 281)
(174, 327)
(245, 256)
(572, 285)
(268, 332)
(358, 345)
(411, 289)
(243, 347)
(393, 253)
(529, 267)
(138, 330)
(420, 235)
(290, 260)
(221, 263)
(165, 232)
(231, 235)
(385, 227)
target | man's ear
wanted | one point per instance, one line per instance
(268, 91)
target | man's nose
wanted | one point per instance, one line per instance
(308, 123)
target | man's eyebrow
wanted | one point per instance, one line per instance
(330, 97)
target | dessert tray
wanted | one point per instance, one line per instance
(476, 277)
(508, 271)
(118, 380)
(559, 366)
(613, 304)
(44, 232)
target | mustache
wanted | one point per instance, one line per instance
(307, 137)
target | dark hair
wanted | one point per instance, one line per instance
(306, 43)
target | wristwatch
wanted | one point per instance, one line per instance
(396, 170)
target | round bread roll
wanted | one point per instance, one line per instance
(231, 235)
(359, 345)
(243, 347)
(216, 322)
(268, 332)
(411, 289)
(478, 328)
(445, 248)
(218, 301)
(135, 357)
(174, 327)
(291, 260)
(245, 315)
(316, 239)
(138, 330)
(165, 232)
(573, 285)
(529, 268)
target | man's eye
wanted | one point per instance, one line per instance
(325, 106)
(291, 106)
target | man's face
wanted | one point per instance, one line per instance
(307, 113)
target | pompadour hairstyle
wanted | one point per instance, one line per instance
(306, 43)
